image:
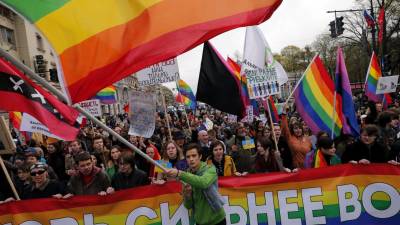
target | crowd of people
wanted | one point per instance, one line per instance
(98, 163)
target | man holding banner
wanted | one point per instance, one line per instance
(200, 190)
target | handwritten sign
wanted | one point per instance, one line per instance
(387, 84)
(142, 110)
(92, 106)
(262, 82)
(163, 72)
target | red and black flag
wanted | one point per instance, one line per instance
(217, 85)
(18, 93)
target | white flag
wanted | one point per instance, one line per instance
(257, 53)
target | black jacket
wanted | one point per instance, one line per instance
(52, 188)
(121, 181)
(376, 153)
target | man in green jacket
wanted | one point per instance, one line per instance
(200, 191)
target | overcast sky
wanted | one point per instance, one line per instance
(295, 22)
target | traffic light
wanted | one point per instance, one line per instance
(339, 25)
(53, 75)
(332, 29)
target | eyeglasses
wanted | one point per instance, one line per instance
(40, 172)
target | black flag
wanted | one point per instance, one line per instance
(217, 85)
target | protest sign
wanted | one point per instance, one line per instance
(387, 84)
(248, 143)
(92, 106)
(344, 194)
(232, 118)
(142, 113)
(159, 73)
(31, 124)
(7, 145)
(262, 82)
(208, 124)
(249, 113)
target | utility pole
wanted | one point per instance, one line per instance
(373, 29)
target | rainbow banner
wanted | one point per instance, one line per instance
(186, 95)
(107, 95)
(348, 194)
(98, 44)
(314, 99)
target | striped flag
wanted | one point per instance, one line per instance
(242, 84)
(187, 96)
(98, 44)
(343, 91)
(369, 19)
(314, 99)
(371, 82)
(107, 95)
(15, 119)
(273, 111)
(320, 160)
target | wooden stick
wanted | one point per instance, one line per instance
(166, 114)
(3, 167)
(272, 124)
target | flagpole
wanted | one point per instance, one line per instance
(333, 114)
(272, 124)
(166, 114)
(298, 83)
(61, 96)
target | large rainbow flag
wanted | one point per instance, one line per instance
(344, 194)
(314, 99)
(371, 82)
(186, 95)
(107, 95)
(99, 43)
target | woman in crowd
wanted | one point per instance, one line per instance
(173, 155)
(112, 163)
(223, 163)
(367, 149)
(152, 152)
(324, 155)
(298, 144)
(266, 159)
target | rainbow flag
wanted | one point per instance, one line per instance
(242, 83)
(343, 91)
(15, 119)
(314, 99)
(98, 44)
(107, 95)
(273, 111)
(240, 79)
(371, 82)
(187, 96)
(320, 160)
